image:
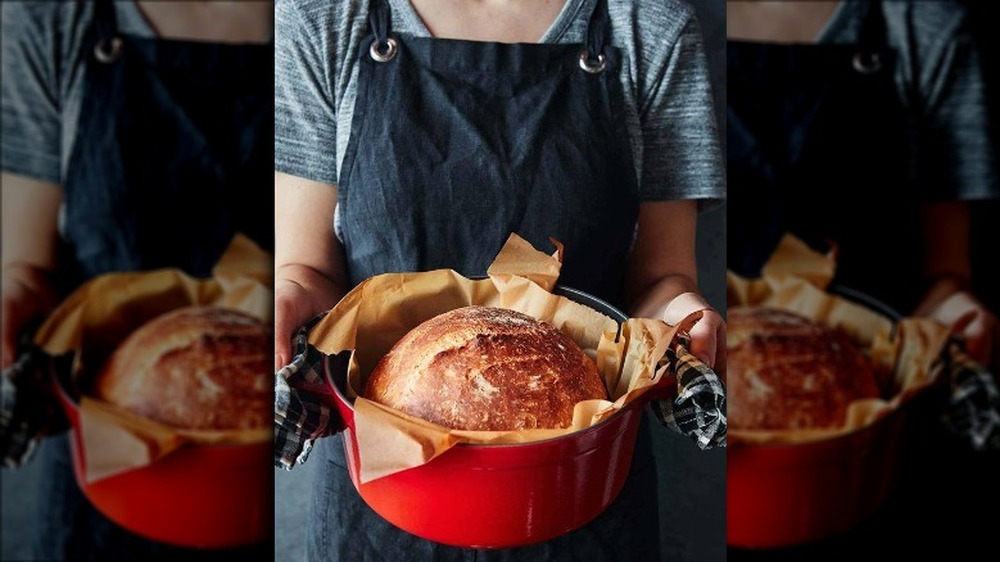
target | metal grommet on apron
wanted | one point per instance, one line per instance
(465, 143)
(383, 51)
(590, 65)
(108, 50)
(866, 62)
(818, 133)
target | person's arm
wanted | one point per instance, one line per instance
(308, 258)
(662, 280)
(947, 264)
(29, 255)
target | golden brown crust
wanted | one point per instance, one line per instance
(486, 369)
(788, 372)
(199, 367)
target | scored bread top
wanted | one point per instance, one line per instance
(198, 367)
(788, 372)
(486, 369)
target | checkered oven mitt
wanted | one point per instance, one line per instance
(699, 409)
(29, 409)
(301, 416)
(972, 413)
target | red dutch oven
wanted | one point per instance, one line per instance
(495, 496)
(788, 494)
(198, 496)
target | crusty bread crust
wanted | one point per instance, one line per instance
(486, 369)
(199, 367)
(787, 372)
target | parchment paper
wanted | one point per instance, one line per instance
(378, 312)
(906, 355)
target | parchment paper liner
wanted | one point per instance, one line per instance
(100, 314)
(905, 355)
(378, 312)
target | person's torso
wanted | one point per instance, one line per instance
(820, 145)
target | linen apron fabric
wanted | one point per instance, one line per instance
(174, 141)
(172, 157)
(819, 145)
(455, 145)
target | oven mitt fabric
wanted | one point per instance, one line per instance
(300, 414)
(972, 413)
(699, 408)
(29, 409)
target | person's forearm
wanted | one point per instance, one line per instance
(947, 263)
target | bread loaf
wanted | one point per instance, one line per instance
(199, 367)
(486, 369)
(787, 372)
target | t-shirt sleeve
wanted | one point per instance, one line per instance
(29, 93)
(305, 119)
(955, 158)
(682, 156)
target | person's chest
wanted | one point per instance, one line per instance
(521, 21)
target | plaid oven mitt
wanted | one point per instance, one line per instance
(972, 413)
(301, 415)
(699, 408)
(29, 409)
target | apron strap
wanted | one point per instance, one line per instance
(380, 19)
(872, 37)
(872, 42)
(598, 30)
(107, 44)
(104, 19)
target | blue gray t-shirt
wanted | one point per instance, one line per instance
(664, 75)
(940, 83)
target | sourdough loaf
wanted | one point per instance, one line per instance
(787, 372)
(486, 369)
(197, 367)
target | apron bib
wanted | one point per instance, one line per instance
(819, 145)
(174, 146)
(457, 144)
(454, 145)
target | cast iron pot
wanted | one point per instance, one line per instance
(197, 496)
(496, 496)
(786, 495)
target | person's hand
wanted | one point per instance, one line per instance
(708, 335)
(976, 324)
(26, 296)
(293, 306)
